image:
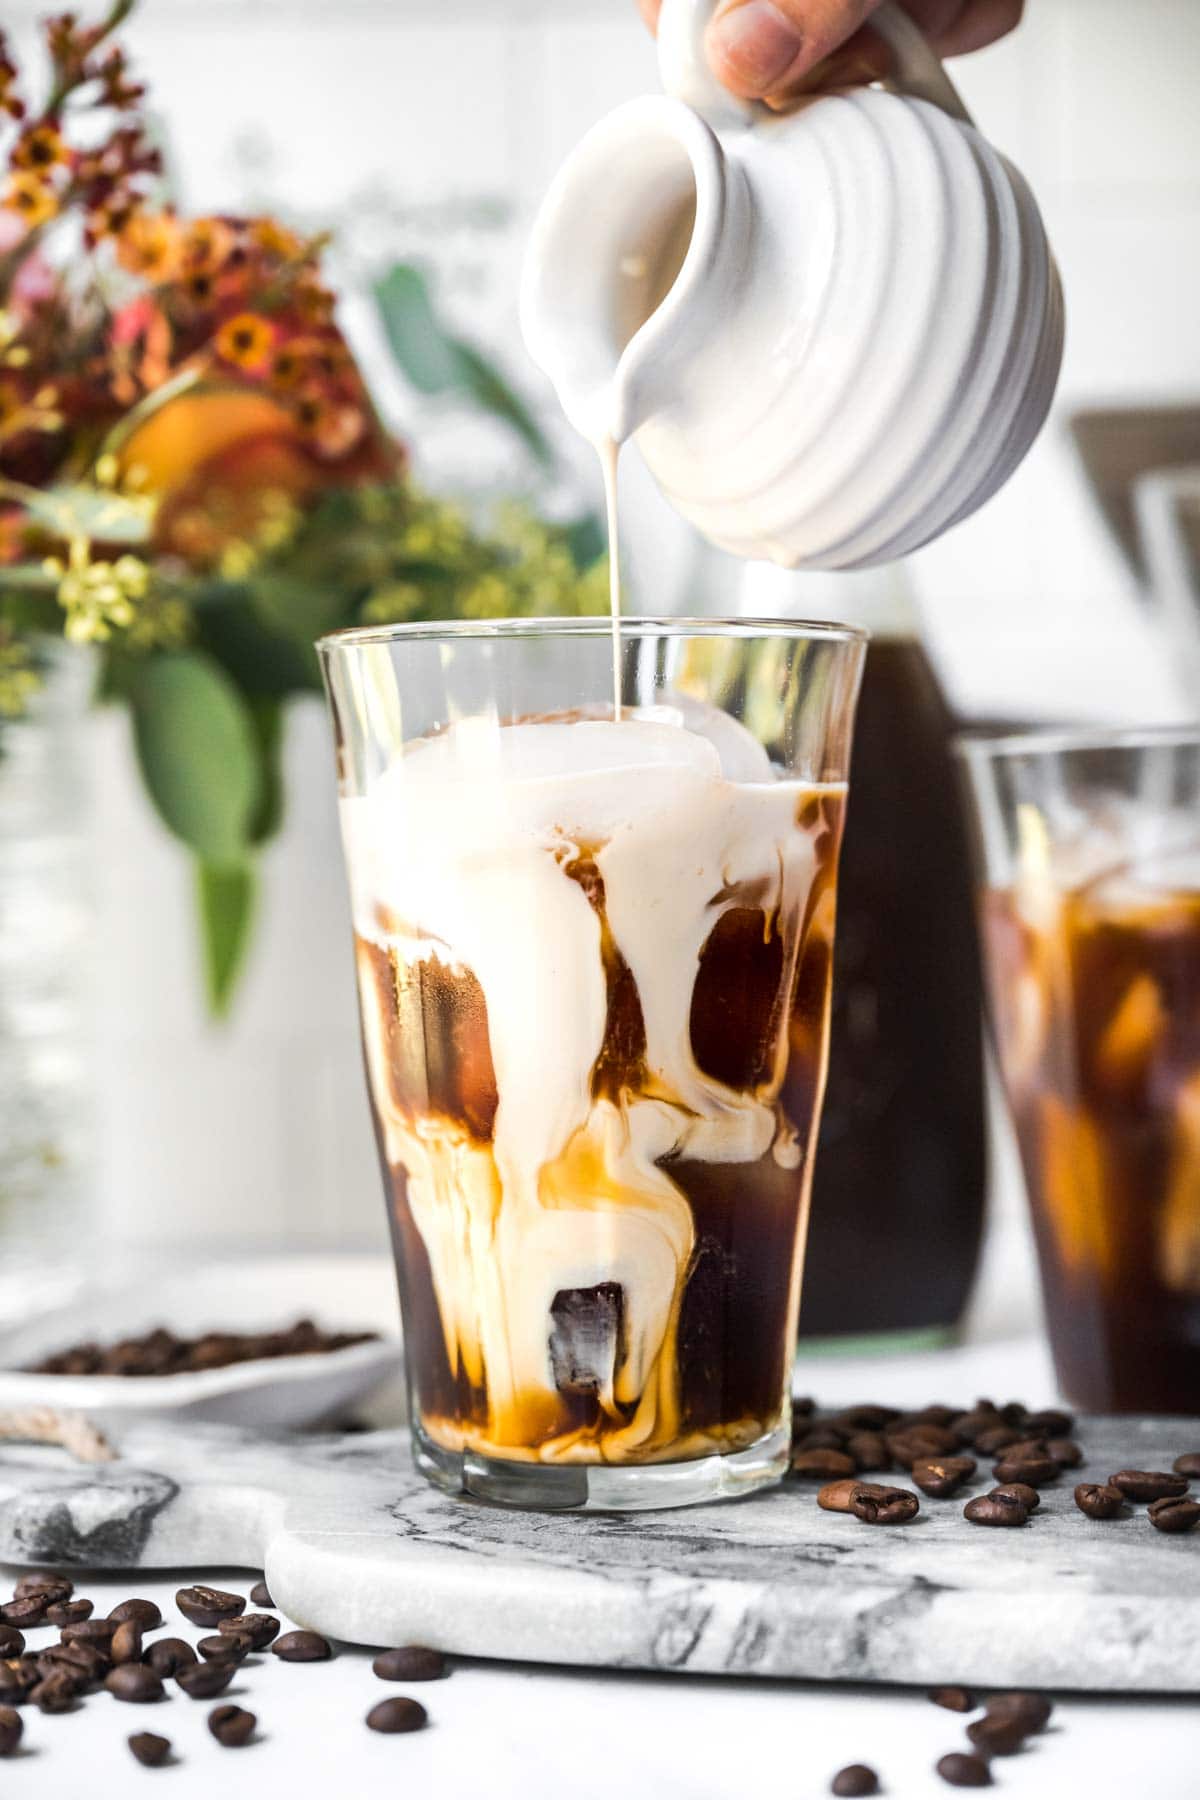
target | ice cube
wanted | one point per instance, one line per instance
(586, 1338)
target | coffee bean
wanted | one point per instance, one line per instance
(135, 1682)
(890, 1506)
(825, 1436)
(149, 1748)
(397, 1714)
(968, 1427)
(1001, 1735)
(68, 1612)
(1135, 1484)
(964, 1771)
(1032, 1711)
(86, 1663)
(938, 1414)
(1098, 1500)
(170, 1655)
(1049, 1423)
(302, 1646)
(260, 1595)
(232, 1726)
(144, 1612)
(411, 1662)
(868, 1417)
(1034, 1471)
(942, 1476)
(954, 1699)
(223, 1647)
(1028, 1497)
(1188, 1464)
(855, 1779)
(90, 1631)
(995, 1509)
(998, 1438)
(1065, 1452)
(256, 1628)
(822, 1465)
(11, 1727)
(869, 1450)
(18, 1674)
(202, 1681)
(11, 1641)
(54, 1587)
(208, 1606)
(127, 1642)
(920, 1442)
(56, 1692)
(836, 1496)
(29, 1610)
(1174, 1513)
(1027, 1449)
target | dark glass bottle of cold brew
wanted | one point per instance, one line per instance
(901, 1167)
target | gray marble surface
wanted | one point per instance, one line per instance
(356, 1544)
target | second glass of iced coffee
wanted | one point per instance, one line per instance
(593, 959)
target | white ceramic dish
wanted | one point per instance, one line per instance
(340, 1293)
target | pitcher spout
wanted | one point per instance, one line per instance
(618, 291)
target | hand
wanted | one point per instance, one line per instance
(770, 49)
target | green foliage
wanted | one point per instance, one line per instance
(197, 751)
(225, 898)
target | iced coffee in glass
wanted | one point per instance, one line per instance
(1092, 923)
(593, 954)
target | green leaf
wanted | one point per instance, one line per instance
(77, 510)
(437, 362)
(266, 716)
(225, 896)
(261, 661)
(587, 539)
(198, 753)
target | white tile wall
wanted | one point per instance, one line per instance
(430, 127)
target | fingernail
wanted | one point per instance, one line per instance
(757, 43)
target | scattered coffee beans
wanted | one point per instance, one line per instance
(1188, 1464)
(1028, 1497)
(836, 1496)
(961, 1770)
(203, 1681)
(954, 1699)
(28, 1610)
(18, 1674)
(822, 1465)
(1098, 1500)
(135, 1682)
(11, 1727)
(999, 1735)
(921, 1441)
(86, 1664)
(90, 1631)
(397, 1714)
(149, 1748)
(995, 1509)
(869, 1450)
(68, 1612)
(1032, 1711)
(223, 1647)
(1135, 1484)
(411, 1662)
(143, 1612)
(231, 1725)
(1033, 1471)
(855, 1779)
(54, 1587)
(1049, 1424)
(170, 1655)
(257, 1629)
(887, 1506)
(1174, 1513)
(302, 1646)
(260, 1595)
(126, 1644)
(998, 1438)
(942, 1476)
(1065, 1452)
(56, 1692)
(208, 1606)
(12, 1641)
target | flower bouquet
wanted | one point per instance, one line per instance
(193, 477)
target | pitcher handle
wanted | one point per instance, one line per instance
(685, 73)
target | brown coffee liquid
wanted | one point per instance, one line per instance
(898, 1192)
(735, 1331)
(1098, 1018)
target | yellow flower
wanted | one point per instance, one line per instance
(31, 198)
(18, 678)
(150, 245)
(246, 340)
(39, 149)
(97, 596)
(207, 244)
(274, 239)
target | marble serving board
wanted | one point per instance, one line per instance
(355, 1544)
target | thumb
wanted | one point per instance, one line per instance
(760, 48)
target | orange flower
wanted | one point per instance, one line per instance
(275, 240)
(330, 426)
(206, 244)
(246, 340)
(150, 246)
(39, 149)
(199, 287)
(31, 198)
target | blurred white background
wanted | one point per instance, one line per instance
(428, 129)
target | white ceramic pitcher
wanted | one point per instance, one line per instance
(834, 332)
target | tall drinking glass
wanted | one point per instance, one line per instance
(1091, 855)
(593, 968)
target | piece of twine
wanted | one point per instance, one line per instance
(70, 1431)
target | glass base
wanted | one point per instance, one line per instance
(640, 1487)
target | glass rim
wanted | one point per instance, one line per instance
(986, 746)
(591, 625)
